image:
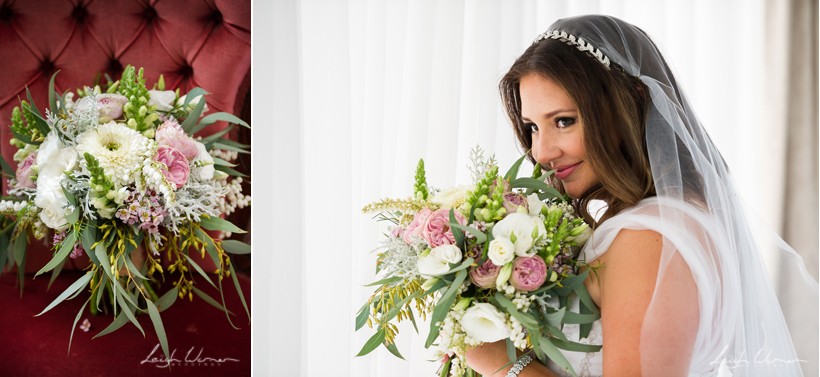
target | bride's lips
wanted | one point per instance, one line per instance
(562, 172)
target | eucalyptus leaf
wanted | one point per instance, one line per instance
(190, 121)
(239, 291)
(556, 356)
(215, 117)
(52, 94)
(167, 299)
(463, 266)
(199, 270)
(512, 173)
(372, 343)
(361, 317)
(158, 327)
(394, 350)
(65, 248)
(39, 121)
(229, 171)
(208, 299)
(480, 237)
(236, 247)
(81, 283)
(118, 322)
(7, 170)
(129, 312)
(509, 306)
(575, 346)
(218, 223)
(458, 234)
(386, 281)
(74, 326)
(443, 307)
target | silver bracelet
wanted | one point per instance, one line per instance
(519, 366)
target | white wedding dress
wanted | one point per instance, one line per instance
(694, 238)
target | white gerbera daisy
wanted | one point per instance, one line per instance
(119, 149)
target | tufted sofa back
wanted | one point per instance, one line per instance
(204, 43)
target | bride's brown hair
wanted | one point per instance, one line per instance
(613, 106)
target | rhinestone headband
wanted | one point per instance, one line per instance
(571, 40)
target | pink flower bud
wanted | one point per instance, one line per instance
(528, 273)
(484, 276)
(23, 172)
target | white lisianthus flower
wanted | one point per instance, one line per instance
(204, 163)
(580, 234)
(119, 149)
(501, 251)
(534, 204)
(53, 159)
(193, 103)
(485, 323)
(163, 100)
(522, 229)
(48, 147)
(52, 200)
(452, 197)
(437, 263)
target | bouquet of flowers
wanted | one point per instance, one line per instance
(117, 175)
(493, 261)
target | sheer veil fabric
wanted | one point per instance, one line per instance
(741, 329)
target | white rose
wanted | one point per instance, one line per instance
(204, 163)
(501, 251)
(437, 263)
(535, 204)
(485, 323)
(452, 197)
(162, 99)
(522, 229)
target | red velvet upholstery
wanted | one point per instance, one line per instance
(204, 43)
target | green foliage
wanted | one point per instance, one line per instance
(132, 86)
(420, 191)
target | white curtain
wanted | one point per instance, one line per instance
(362, 89)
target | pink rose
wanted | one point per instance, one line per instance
(485, 275)
(23, 172)
(528, 273)
(413, 231)
(177, 168)
(171, 134)
(436, 230)
(514, 200)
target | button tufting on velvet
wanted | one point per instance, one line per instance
(215, 17)
(114, 67)
(79, 13)
(47, 67)
(186, 71)
(150, 14)
(6, 13)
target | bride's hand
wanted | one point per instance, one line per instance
(489, 358)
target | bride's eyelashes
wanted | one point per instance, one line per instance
(561, 122)
(564, 122)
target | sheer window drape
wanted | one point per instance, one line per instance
(363, 89)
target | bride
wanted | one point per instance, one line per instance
(680, 283)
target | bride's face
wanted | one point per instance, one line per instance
(557, 133)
